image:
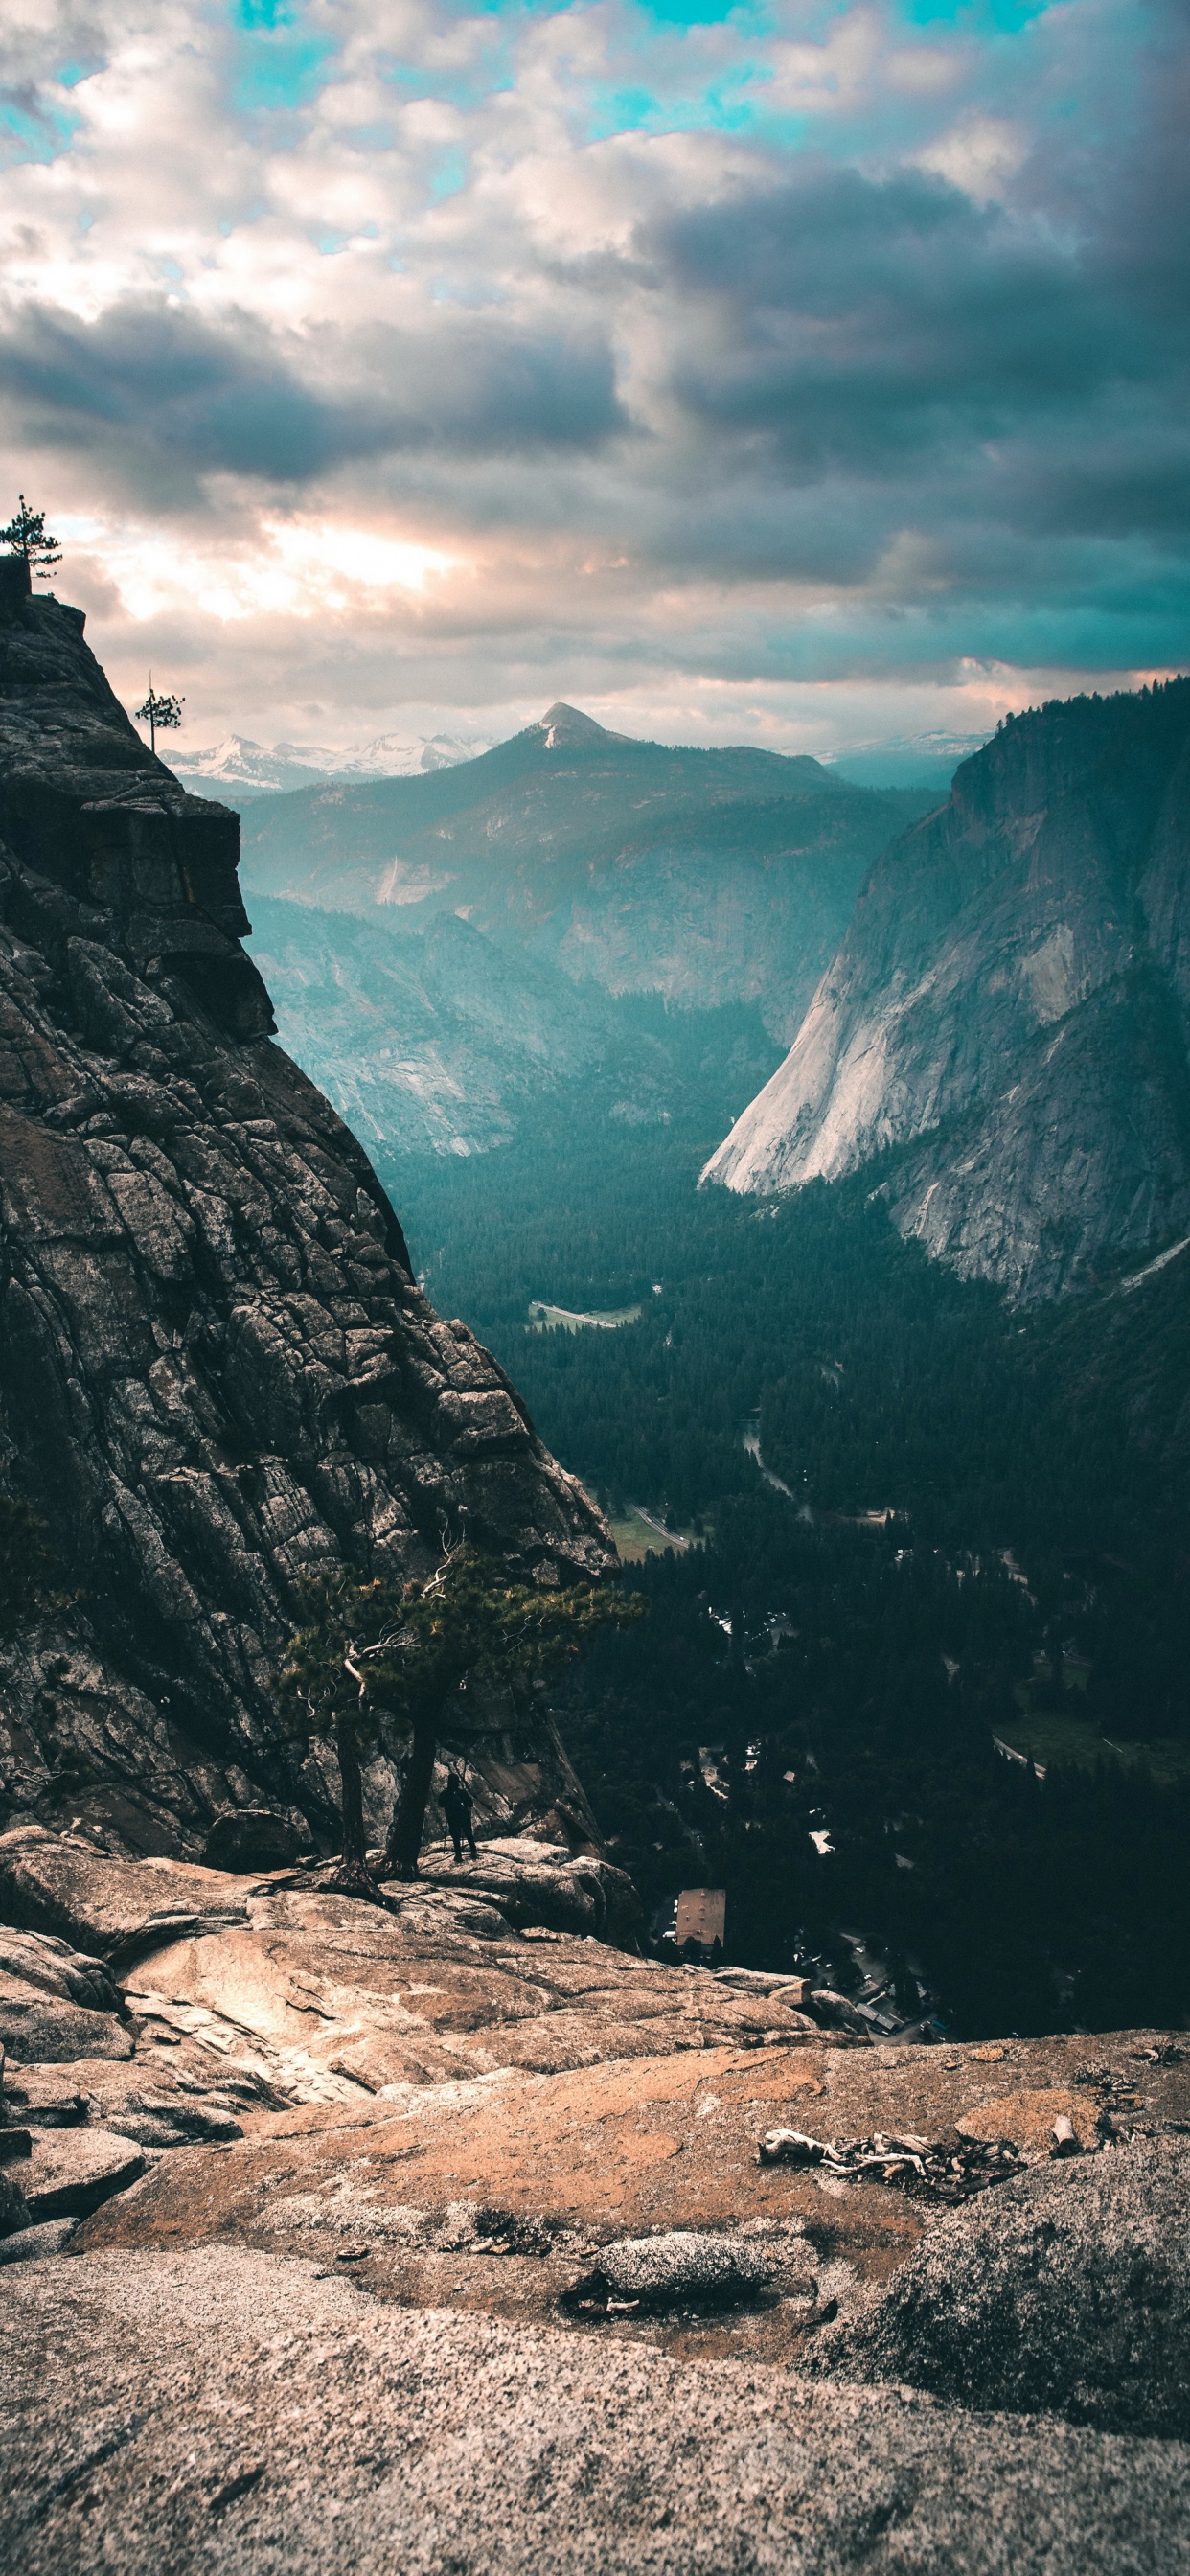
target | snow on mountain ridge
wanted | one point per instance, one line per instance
(239, 762)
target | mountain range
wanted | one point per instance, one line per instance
(708, 877)
(250, 770)
(905, 759)
(1008, 1014)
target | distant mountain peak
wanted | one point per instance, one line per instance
(562, 725)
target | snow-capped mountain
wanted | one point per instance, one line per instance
(904, 759)
(252, 770)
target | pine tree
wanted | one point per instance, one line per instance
(26, 535)
(161, 713)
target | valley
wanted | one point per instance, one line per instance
(899, 1520)
(962, 1488)
(595, 1290)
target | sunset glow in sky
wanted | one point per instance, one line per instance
(792, 373)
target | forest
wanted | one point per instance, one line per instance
(984, 1536)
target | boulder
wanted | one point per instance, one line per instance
(1067, 2290)
(837, 2013)
(40, 1959)
(682, 2265)
(56, 2003)
(14, 2211)
(255, 1838)
(73, 2171)
(544, 1884)
(60, 1884)
(47, 2096)
(51, 2236)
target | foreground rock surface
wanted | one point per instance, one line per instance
(224, 2410)
(519, 2145)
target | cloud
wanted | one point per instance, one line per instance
(864, 322)
(151, 383)
(823, 345)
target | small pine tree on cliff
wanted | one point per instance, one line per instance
(161, 713)
(371, 1649)
(26, 535)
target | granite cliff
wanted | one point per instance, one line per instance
(216, 1371)
(1009, 1010)
(439, 1041)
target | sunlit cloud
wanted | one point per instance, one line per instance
(293, 568)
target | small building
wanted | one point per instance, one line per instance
(701, 1917)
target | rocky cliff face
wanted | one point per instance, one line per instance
(216, 1371)
(1014, 991)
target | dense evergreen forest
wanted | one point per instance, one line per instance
(970, 1525)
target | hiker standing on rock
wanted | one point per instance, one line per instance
(458, 1807)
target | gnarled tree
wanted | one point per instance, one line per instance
(371, 1651)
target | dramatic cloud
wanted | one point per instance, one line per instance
(154, 385)
(783, 373)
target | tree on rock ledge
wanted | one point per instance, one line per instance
(26, 535)
(161, 712)
(371, 1650)
(467, 1627)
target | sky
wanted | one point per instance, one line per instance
(799, 374)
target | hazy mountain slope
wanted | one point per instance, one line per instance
(438, 1041)
(711, 877)
(1014, 988)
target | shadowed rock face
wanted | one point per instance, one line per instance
(216, 1372)
(1014, 992)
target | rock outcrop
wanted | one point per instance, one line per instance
(1069, 2293)
(441, 2233)
(1010, 1009)
(216, 1371)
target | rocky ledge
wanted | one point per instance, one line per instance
(449, 2233)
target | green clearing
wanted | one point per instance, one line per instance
(1074, 1743)
(637, 1537)
(554, 1319)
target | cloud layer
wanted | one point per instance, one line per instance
(785, 372)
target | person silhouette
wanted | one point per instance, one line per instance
(458, 1807)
